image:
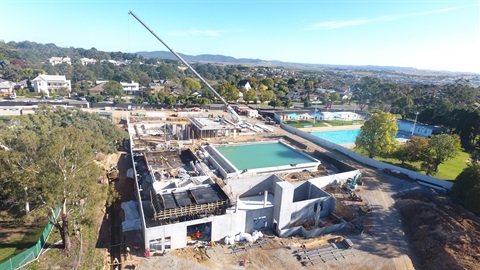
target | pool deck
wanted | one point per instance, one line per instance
(330, 128)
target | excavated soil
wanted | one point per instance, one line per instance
(442, 234)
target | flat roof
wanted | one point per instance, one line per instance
(255, 202)
(205, 123)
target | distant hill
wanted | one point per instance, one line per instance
(216, 58)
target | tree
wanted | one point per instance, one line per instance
(265, 95)
(440, 149)
(412, 150)
(268, 82)
(50, 155)
(202, 101)
(249, 95)
(71, 174)
(377, 135)
(274, 103)
(307, 103)
(286, 103)
(113, 88)
(466, 187)
(190, 84)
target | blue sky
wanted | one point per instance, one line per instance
(431, 34)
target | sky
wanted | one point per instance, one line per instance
(424, 34)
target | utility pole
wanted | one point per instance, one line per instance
(414, 123)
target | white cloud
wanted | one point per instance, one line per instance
(340, 24)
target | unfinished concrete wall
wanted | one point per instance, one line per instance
(333, 179)
(259, 219)
(252, 186)
(305, 210)
(224, 225)
(301, 192)
(325, 230)
(283, 205)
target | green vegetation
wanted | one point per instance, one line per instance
(21, 240)
(377, 135)
(446, 171)
(336, 123)
(305, 123)
(47, 159)
(467, 188)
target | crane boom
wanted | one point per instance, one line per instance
(236, 117)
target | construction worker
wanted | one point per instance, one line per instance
(128, 252)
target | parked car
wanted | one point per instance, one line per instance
(60, 98)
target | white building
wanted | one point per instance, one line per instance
(131, 88)
(339, 116)
(6, 87)
(418, 129)
(60, 60)
(50, 84)
(87, 61)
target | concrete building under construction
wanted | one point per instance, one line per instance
(184, 194)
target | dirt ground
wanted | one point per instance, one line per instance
(442, 234)
(399, 232)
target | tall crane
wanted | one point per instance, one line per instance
(236, 117)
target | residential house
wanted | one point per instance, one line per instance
(51, 84)
(60, 60)
(131, 88)
(96, 90)
(87, 61)
(6, 87)
(196, 93)
(245, 84)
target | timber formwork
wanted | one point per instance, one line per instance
(190, 204)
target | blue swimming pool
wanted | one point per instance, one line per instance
(345, 136)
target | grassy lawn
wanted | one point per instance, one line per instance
(17, 238)
(321, 123)
(452, 168)
(446, 171)
(303, 123)
(344, 123)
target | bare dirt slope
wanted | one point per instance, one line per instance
(443, 235)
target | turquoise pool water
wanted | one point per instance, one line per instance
(345, 136)
(263, 155)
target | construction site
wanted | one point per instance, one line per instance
(188, 191)
(214, 190)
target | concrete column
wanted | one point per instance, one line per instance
(234, 133)
(236, 204)
(282, 211)
(265, 199)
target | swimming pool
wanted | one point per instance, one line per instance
(261, 155)
(346, 136)
(258, 158)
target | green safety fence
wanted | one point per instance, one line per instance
(32, 253)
